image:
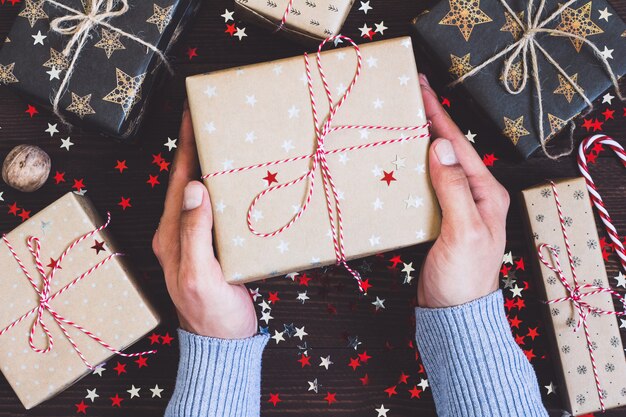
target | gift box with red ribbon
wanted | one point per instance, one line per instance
(68, 301)
(579, 299)
(315, 160)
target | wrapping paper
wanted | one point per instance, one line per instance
(577, 387)
(262, 113)
(108, 302)
(309, 21)
(459, 47)
(125, 71)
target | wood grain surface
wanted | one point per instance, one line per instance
(386, 336)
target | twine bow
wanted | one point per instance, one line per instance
(318, 159)
(79, 25)
(45, 297)
(526, 46)
(576, 292)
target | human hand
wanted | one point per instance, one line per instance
(206, 304)
(463, 263)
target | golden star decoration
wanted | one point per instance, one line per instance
(578, 22)
(161, 17)
(566, 88)
(460, 66)
(465, 14)
(128, 90)
(516, 75)
(110, 42)
(81, 105)
(512, 26)
(556, 124)
(57, 60)
(6, 74)
(33, 11)
(514, 129)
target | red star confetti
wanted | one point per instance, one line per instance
(59, 177)
(142, 362)
(154, 338)
(116, 401)
(81, 407)
(124, 203)
(445, 101)
(365, 380)
(13, 209)
(388, 177)
(274, 399)
(25, 215)
(270, 178)
(391, 391)
(608, 114)
(273, 297)
(120, 368)
(192, 52)
(230, 29)
(588, 124)
(415, 392)
(331, 397)
(31, 110)
(305, 360)
(78, 184)
(121, 166)
(98, 246)
(167, 339)
(489, 159)
(354, 363)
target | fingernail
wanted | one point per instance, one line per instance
(192, 196)
(424, 80)
(445, 153)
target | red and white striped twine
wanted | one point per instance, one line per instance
(45, 297)
(595, 196)
(283, 21)
(318, 157)
(575, 291)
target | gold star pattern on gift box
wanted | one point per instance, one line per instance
(516, 75)
(128, 90)
(556, 124)
(161, 17)
(512, 26)
(578, 22)
(6, 74)
(566, 88)
(57, 60)
(460, 66)
(465, 14)
(110, 42)
(33, 11)
(514, 129)
(81, 105)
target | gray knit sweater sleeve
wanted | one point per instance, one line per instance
(217, 377)
(474, 366)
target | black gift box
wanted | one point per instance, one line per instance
(462, 34)
(113, 74)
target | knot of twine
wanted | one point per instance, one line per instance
(525, 50)
(577, 292)
(46, 296)
(318, 159)
(78, 25)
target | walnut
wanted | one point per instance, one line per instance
(26, 168)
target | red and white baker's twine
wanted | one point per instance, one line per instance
(319, 158)
(45, 297)
(283, 21)
(595, 196)
(575, 291)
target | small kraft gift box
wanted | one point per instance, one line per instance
(68, 300)
(529, 66)
(306, 21)
(586, 340)
(296, 182)
(93, 62)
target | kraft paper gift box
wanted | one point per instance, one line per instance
(260, 113)
(114, 75)
(460, 35)
(308, 21)
(107, 302)
(578, 388)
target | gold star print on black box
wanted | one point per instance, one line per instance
(113, 74)
(460, 35)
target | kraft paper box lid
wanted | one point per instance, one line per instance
(578, 387)
(108, 302)
(260, 113)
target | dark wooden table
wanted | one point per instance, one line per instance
(334, 312)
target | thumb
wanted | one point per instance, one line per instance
(452, 186)
(196, 222)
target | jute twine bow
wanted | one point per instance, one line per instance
(79, 25)
(45, 297)
(323, 128)
(528, 44)
(576, 292)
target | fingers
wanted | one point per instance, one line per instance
(196, 223)
(444, 127)
(452, 187)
